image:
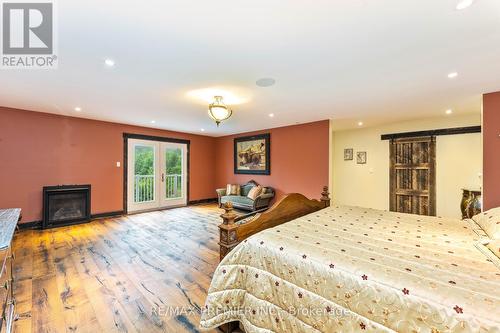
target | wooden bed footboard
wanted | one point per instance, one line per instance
(288, 208)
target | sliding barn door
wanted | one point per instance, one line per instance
(413, 176)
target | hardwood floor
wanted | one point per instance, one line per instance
(123, 274)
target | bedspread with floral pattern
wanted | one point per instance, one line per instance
(349, 269)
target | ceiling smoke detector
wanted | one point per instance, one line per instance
(265, 82)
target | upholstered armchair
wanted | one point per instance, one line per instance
(242, 201)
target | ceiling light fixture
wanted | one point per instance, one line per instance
(271, 115)
(153, 121)
(219, 111)
(360, 123)
(452, 75)
(449, 111)
(78, 109)
(464, 4)
(109, 62)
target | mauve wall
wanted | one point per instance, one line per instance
(491, 150)
(38, 149)
(299, 159)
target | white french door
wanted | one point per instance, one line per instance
(173, 191)
(156, 175)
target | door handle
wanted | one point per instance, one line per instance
(162, 177)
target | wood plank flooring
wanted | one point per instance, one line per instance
(125, 274)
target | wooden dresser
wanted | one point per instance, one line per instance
(8, 223)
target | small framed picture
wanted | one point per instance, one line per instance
(348, 154)
(361, 157)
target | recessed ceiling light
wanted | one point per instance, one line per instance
(109, 62)
(153, 121)
(78, 109)
(271, 115)
(452, 75)
(265, 82)
(360, 123)
(464, 4)
(449, 111)
(203, 130)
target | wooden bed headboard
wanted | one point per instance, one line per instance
(288, 208)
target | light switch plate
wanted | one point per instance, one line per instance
(118, 164)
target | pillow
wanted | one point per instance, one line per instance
(255, 192)
(489, 221)
(476, 228)
(491, 249)
(494, 247)
(232, 189)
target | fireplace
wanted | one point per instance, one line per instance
(65, 205)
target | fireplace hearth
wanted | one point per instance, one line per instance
(65, 205)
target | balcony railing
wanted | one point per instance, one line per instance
(173, 186)
(144, 187)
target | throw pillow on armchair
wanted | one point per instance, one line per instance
(255, 192)
(233, 189)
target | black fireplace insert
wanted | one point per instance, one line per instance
(65, 205)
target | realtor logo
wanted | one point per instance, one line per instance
(28, 35)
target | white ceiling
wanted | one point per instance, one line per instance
(348, 60)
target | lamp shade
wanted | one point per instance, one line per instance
(218, 111)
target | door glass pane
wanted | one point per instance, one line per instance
(173, 177)
(144, 178)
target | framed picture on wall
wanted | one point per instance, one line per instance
(348, 154)
(361, 157)
(252, 155)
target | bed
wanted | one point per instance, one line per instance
(351, 269)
